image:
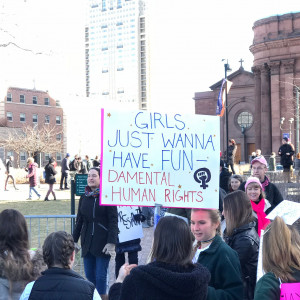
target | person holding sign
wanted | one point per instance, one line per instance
(241, 236)
(213, 253)
(281, 262)
(260, 205)
(170, 275)
(98, 227)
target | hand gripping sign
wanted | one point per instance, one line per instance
(165, 158)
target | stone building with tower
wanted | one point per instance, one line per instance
(261, 103)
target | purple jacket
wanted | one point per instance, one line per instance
(32, 175)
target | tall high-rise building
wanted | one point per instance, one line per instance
(116, 52)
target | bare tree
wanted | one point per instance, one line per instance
(32, 140)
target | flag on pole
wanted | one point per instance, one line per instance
(221, 98)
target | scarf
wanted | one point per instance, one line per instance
(265, 183)
(261, 216)
(90, 193)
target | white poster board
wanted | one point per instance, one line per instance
(150, 157)
(289, 211)
(129, 229)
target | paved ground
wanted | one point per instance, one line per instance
(23, 192)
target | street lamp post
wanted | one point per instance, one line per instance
(227, 69)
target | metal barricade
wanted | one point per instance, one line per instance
(40, 226)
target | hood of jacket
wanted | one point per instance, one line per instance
(175, 280)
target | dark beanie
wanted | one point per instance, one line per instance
(51, 160)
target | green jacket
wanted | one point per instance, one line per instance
(225, 269)
(268, 286)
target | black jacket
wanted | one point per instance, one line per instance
(272, 195)
(161, 281)
(97, 225)
(224, 179)
(50, 174)
(286, 160)
(245, 242)
(58, 283)
(231, 153)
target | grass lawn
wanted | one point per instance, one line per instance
(59, 207)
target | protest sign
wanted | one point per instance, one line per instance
(128, 227)
(289, 211)
(151, 157)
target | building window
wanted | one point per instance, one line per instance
(22, 156)
(9, 116)
(47, 156)
(58, 137)
(245, 119)
(22, 117)
(9, 97)
(34, 118)
(22, 98)
(34, 100)
(120, 91)
(120, 69)
(47, 119)
(46, 101)
(105, 93)
(9, 153)
(104, 70)
(58, 120)
(58, 156)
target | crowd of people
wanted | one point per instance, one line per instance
(208, 254)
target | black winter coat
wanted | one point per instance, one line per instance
(245, 242)
(161, 281)
(272, 195)
(50, 174)
(286, 160)
(231, 153)
(97, 225)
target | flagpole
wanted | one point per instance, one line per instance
(227, 68)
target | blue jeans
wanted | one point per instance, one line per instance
(31, 188)
(95, 268)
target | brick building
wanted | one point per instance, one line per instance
(258, 101)
(22, 107)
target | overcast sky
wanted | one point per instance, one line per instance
(189, 40)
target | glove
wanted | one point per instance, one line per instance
(110, 249)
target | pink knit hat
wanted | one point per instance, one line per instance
(261, 160)
(252, 179)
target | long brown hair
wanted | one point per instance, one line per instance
(14, 246)
(238, 210)
(281, 250)
(172, 242)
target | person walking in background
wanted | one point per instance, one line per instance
(259, 170)
(272, 162)
(240, 234)
(96, 161)
(170, 274)
(32, 175)
(224, 177)
(281, 260)
(231, 154)
(74, 166)
(9, 173)
(65, 172)
(59, 281)
(18, 264)
(88, 163)
(50, 177)
(214, 254)
(98, 227)
(81, 166)
(258, 153)
(286, 153)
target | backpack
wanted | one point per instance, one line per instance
(72, 166)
